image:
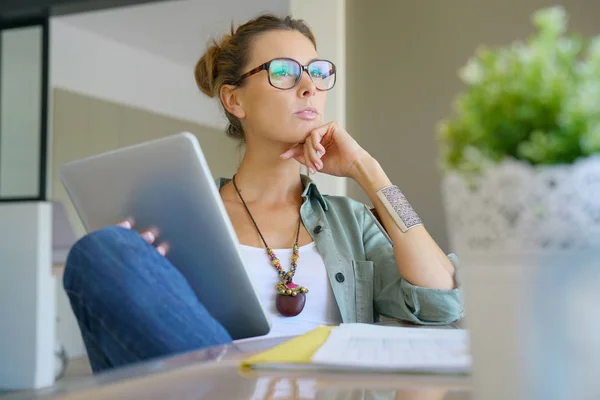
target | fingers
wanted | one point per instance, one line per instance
(308, 153)
(127, 224)
(308, 161)
(300, 158)
(298, 149)
(162, 249)
(149, 236)
(323, 129)
(313, 149)
(299, 154)
(293, 152)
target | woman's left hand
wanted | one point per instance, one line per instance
(328, 149)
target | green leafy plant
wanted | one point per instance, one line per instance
(537, 101)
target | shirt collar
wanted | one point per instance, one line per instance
(310, 189)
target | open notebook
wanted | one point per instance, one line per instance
(364, 347)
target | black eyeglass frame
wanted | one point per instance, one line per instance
(303, 68)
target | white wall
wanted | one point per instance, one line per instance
(327, 20)
(27, 307)
(175, 30)
(20, 116)
(91, 64)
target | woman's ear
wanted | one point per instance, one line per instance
(230, 97)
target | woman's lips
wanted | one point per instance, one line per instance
(308, 113)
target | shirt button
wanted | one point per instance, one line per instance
(318, 229)
(340, 277)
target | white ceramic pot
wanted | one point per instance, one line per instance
(529, 242)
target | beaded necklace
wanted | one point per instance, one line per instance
(291, 298)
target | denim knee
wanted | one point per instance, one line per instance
(87, 253)
(109, 236)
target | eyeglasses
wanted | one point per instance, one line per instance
(285, 73)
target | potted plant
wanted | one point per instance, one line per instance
(521, 191)
(521, 154)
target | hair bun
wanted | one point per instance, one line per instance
(205, 71)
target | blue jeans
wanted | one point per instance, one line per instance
(131, 303)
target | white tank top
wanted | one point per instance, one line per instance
(320, 308)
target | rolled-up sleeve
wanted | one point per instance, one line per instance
(394, 296)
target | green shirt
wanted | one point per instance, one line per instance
(361, 266)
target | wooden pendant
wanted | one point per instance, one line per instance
(290, 306)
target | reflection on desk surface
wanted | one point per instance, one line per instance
(224, 381)
(307, 389)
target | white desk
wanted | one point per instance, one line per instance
(214, 374)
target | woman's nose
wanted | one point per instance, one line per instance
(306, 86)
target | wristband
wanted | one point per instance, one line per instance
(399, 208)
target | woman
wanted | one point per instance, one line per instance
(132, 304)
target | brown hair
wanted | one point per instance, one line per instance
(223, 61)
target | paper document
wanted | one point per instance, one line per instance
(365, 347)
(387, 348)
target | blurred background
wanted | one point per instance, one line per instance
(77, 80)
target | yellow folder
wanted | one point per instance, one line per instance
(298, 350)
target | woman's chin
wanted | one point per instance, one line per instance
(299, 132)
(306, 127)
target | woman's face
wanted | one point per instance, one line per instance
(285, 116)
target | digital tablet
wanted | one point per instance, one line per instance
(166, 184)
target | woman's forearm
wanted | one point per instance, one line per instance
(420, 260)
